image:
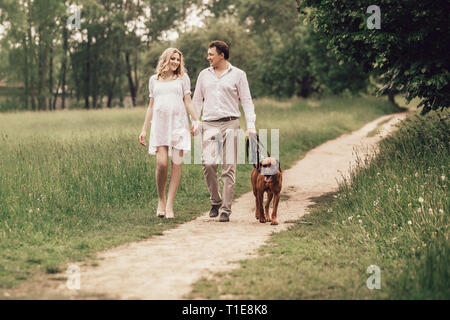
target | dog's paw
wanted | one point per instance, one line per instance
(274, 223)
(262, 220)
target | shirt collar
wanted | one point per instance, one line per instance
(211, 69)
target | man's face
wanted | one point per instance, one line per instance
(214, 58)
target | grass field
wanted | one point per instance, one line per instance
(392, 213)
(76, 182)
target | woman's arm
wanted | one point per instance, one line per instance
(147, 121)
(190, 107)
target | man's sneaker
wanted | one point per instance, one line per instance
(214, 212)
(224, 217)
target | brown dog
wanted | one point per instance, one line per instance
(267, 177)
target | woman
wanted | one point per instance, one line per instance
(170, 97)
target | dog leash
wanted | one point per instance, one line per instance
(258, 145)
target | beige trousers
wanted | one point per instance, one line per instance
(220, 146)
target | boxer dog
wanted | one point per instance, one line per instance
(267, 177)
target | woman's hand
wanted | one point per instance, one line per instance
(142, 138)
(196, 127)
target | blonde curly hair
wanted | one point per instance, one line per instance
(163, 64)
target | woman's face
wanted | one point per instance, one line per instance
(175, 60)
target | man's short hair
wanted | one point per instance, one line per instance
(221, 47)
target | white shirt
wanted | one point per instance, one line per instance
(219, 96)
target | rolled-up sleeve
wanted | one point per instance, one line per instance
(247, 102)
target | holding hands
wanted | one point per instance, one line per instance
(196, 127)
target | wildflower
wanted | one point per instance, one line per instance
(394, 225)
(358, 216)
(330, 210)
(443, 178)
(398, 191)
(409, 204)
(378, 174)
(30, 211)
(441, 211)
(375, 203)
(416, 175)
(430, 211)
(360, 221)
(394, 239)
(409, 222)
(420, 199)
(350, 218)
(343, 221)
(419, 210)
(38, 209)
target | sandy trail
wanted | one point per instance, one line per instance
(164, 267)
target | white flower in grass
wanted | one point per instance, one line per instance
(394, 239)
(360, 221)
(343, 221)
(375, 203)
(441, 211)
(350, 218)
(430, 211)
(358, 216)
(409, 222)
(421, 200)
(416, 175)
(30, 211)
(419, 210)
(443, 178)
(378, 173)
(330, 210)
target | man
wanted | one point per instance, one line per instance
(217, 92)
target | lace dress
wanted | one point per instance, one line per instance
(170, 126)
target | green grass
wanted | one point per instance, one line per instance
(392, 212)
(76, 182)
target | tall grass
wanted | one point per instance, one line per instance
(392, 212)
(75, 182)
(400, 200)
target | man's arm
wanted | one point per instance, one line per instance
(247, 103)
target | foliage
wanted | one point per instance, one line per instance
(409, 51)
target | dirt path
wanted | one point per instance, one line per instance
(164, 267)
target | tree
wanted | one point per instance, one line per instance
(409, 51)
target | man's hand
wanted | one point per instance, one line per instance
(250, 131)
(196, 127)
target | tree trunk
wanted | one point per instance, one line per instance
(391, 97)
(64, 67)
(131, 84)
(50, 80)
(87, 75)
(43, 56)
(29, 66)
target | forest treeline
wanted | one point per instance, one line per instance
(46, 63)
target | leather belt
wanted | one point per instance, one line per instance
(222, 119)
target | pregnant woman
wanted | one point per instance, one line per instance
(170, 97)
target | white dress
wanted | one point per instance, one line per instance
(170, 126)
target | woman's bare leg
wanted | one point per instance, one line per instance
(162, 165)
(175, 175)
